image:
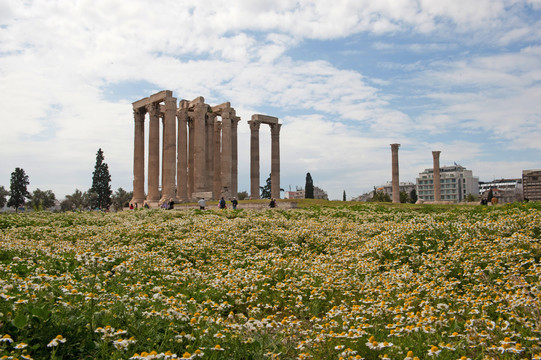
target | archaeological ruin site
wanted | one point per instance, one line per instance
(199, 151)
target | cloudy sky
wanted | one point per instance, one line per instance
(346, 78)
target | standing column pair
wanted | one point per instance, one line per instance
(254, 154)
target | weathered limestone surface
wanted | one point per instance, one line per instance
(139, 156)
(436, 177)
(395, 178)
(254, 159)
(153, 110)
(182, 151)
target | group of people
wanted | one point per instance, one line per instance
(221, 203)
(202, 203)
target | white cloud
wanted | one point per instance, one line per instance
(57, 59)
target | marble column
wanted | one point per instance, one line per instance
(395, 178)
(209, 152)
(254, 158)
(275, 160)
(162, 116)
(139, 157)
(191, 147)
(153, 152)
(200, 111)
(234, 157)
(170, 149)
(182, 152)
(226, 153)
(217, 186)
(436, 177)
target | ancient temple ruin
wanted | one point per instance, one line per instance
(199, 150)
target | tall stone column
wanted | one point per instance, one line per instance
(254, 158)
(191, 147)
(436, 177)
(199, 155)
(395, 179)
(234, 157)
(275, 160)
(182, 152)
(162, 115)
(170, 149)
(139, 157)
(209, 152)
(226, 153)
(153, 152)
(217, 186)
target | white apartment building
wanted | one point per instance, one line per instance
(455, 183)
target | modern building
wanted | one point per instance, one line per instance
(501, 184)
(531, 184)
(298, 194)
(319, 193)
(505, 190)
(456, 182)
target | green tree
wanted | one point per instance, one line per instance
(3, 194)
(309, 187)
(242, 195)
(344, 196)
(17, 190)
(471, 198)
(75, 201)
(40, 200)
(121, 198)
(413, 196)
(404, 197)
(100, 192)
(266, 190)
(380, 196)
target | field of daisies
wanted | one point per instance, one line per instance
(362, 281)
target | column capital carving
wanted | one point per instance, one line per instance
(182, 115)
(254, 125)
(436, 154)
(139, 114)
(394, 147)
(275, 129)
(153, 109)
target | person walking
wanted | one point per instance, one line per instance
(234, 203)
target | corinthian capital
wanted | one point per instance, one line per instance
(153, 109)
(254, 125)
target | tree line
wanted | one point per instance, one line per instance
(99, 196)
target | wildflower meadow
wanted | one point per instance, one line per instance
(351, 282)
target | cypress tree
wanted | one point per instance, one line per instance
(309, 187)
(101, 187)
(17, 190)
